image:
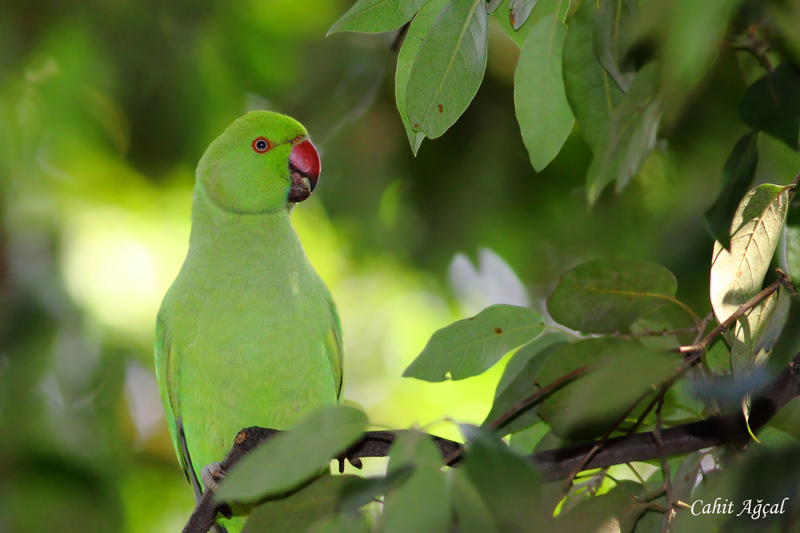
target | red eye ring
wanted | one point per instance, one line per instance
(261, 145)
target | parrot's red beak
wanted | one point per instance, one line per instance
(304, 166)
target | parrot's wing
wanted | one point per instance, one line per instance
(335, 350)
(167, 375)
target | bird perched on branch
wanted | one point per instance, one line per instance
(247, 334)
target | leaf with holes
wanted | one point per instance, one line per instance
(448, 68)
(591, 92)
(737, 174)
(737, 275)
(607, 296)
(471, 346)
(375, 16)
(543, 113)
(631, 136)
(405, 59)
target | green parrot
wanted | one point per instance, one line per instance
(247, 335)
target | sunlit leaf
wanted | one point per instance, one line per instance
(299, 510)
(522, 385)
(607, 296)
(631, 136)
(587, 406)
(421, 503)
(471, 346)
(737, 275)
(756, 333)
(405, 59)
(590, 90)
(506, 482)
(448, 68)
(374, 16)
(772, 104)
(543, 113)
(519, 12)
(288, 459)
(611, 19)
(737, 174)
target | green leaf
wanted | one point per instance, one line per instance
(299, 510)
(686, 476)
(591, 92)
(588, 406)
(737, 174)
(793, 242)
(615, 511)
(631, 136)
(375, 16)
(288, 459)
(421, 503)
(737, 275)
(405, 59)
(772, 104)
(692, 39)
(522, 386)
(655, 322)
(340, 523)
(471, 513)
(543, 113)
(520, 10)
(448, 68)
(507, 483)
(359, 491)
(612, 17)
(543, 8)
(607, 296)
(718, 357)
(756, 333)
(471, 346)
(525, 441)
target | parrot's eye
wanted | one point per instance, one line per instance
(261, 145)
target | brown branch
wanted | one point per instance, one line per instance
(557, 464)
(714, 431)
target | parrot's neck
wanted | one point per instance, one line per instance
(222, 238)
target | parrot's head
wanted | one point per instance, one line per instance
(262, 163)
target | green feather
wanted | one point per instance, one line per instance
(247, 334)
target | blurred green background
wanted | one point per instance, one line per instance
(105, 108)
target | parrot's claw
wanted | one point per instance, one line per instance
(212, 476)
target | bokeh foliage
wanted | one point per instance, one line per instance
(105, 107)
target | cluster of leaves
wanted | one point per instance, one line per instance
(608, 357)
(623, 70)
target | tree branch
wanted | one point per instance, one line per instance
(558, 464)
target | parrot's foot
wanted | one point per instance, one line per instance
(212, 476)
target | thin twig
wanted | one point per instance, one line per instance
(538, 395)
